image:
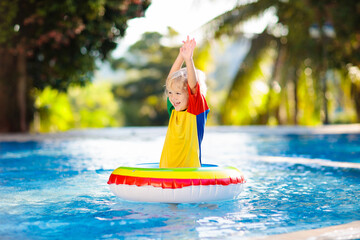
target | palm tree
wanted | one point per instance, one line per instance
(299, 63)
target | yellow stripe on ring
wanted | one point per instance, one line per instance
(185, 173)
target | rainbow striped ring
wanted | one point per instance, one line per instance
(149, 183)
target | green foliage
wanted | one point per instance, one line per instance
(63, 38)
(203, 58)
(92, 106)
(8, 11)
(142, 95)
(53, 111)
(55, 44)
(303, 65)
(246, 101)
(307, 97)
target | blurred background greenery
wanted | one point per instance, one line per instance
(300, 68)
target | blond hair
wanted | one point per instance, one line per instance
(180, 76)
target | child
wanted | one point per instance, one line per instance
(188, 111)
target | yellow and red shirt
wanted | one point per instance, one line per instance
(182, 147)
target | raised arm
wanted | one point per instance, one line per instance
(177, 64)
(186, 51)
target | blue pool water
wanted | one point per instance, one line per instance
(56, 188)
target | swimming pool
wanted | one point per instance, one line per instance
(54, 187)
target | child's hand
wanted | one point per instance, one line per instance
(187, 49)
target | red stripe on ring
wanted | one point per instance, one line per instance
(171, 182)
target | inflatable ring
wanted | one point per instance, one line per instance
(149, 183)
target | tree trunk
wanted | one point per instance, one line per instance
(21, 88)
(13, 91)
(355, 93)
(325, 100)
(296, 101)
(295, 78)
(279, 62)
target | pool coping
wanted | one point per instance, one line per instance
(291, 130)
(257, 130)
(343, 231)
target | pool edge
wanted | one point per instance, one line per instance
(342, 231)
(161, 130)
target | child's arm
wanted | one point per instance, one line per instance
(177, 64)
(186, 51)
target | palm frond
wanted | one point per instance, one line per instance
(228, 23)
(239, 93)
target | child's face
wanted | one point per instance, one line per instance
(178, 97)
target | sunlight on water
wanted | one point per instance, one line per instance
(57, 188)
